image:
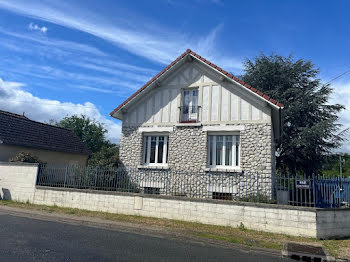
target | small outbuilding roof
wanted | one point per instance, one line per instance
(19, 130)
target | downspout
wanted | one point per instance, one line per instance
(281, 125)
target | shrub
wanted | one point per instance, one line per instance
(26, 157)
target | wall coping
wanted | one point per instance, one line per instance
(18, 164)
(200, 200)
(333, 209)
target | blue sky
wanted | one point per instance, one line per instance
(60, 58)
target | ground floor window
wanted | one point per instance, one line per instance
(155, 150)
(223, 151)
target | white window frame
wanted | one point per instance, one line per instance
(147, 138)
(235, 143)
(190, 89)
(190, 105)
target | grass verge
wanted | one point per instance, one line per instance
(239, 235)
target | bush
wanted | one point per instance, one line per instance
(26, 158)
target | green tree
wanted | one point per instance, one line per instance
(331, 166)
(107, 156)
(93, 134)
(310, 127)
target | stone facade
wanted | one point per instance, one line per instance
(187, 163)
(188, 148)
(130, 147)
(256, 148)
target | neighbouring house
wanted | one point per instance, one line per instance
(54, 145)
(195, 116)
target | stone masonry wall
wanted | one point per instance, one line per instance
(188, 148)
(131, 147)
(256, 147)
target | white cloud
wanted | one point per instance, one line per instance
(54, 44)
(35, 27)
(14, 99)
(94, 89)
(141, 38)
(109, 83)
(115, 74)
(341, 95)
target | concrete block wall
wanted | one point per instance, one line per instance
(17, 181)
(333, 223)
(262, 217)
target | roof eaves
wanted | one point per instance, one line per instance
(154, 79)
(252, 90)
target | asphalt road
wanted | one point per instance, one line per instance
(32, 239)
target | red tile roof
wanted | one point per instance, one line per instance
(189, 51)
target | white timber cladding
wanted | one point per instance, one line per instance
(219, 101)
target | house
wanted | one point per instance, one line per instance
(54, 145)
(195, 116)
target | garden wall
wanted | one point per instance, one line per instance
(262, 217)
(17, 182)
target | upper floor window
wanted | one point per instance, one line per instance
(155, 150)
(189, 108)
(223, 151)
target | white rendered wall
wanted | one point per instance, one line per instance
(17, 181)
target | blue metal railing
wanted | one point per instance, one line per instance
(315, 191)
(332, 193)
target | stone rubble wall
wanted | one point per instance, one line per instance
(188, 148)
(188, 152)
(202, 184)
(131, 146)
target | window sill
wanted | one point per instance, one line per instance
(153, 167)
(220, 169)
(188, 124)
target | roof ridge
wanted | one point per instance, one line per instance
(13, 114)
(28, 119)
(227, 74)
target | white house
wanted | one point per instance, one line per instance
(195, 116)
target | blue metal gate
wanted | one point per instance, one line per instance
(332, 192)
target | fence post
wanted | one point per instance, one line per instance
(314, 188)
(37, 174)
(95, 177)
(65, 177)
